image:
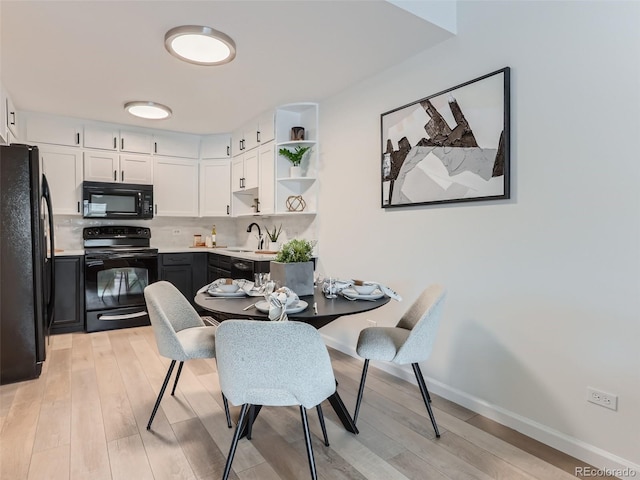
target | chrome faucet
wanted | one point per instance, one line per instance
(260, 237)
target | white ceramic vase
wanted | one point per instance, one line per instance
(295, 171)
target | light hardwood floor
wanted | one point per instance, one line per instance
(85, 418)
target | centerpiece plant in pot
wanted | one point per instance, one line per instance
(293, 266)
(295, 157)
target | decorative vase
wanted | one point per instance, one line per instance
(295, 171)
(296, 276)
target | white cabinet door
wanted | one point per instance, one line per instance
(237, 173)
(12, 117)
(4, 118)
(136, 169)
(175, 187)
(237, 141)
(135, 142)
(176, 145)
(41, 128)
(251, 170)
(104, 137)
(101, 166)
(266, 127)
(251, 135)
(216, 146)
(266, 189)
(63, 168)
(215, 188)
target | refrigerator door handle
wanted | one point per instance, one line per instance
(46, 193)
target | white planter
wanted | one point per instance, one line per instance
(297, 276)
(295, 171)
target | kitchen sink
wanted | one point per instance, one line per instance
(238, 250)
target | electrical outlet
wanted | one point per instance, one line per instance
(372, 323)
(176, 231)
(604, 399)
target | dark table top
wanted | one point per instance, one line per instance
(328, 309)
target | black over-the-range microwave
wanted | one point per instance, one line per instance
(117, 200)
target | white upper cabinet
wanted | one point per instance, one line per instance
(12, 116)
(258, 131)
(176, 145)
(63, 169)
(134, 141)
(244, 175)
(136, 169)
(102, 166)
(216, 146)
(266, 187)
(4, 125)
(103, 137)
(41, 128)
(215, 188)
(175, 187)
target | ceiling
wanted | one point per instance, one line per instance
(87, 58)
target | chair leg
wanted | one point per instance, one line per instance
(252, 417)
(425, 396)
(322, 425)
(234, 443)
(226, 410)
(307, 440)
(361, 390)
(164, 386)
(175, 384)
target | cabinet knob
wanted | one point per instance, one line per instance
(122, 176)
(115, 143)
(115, 175)
(77, 138)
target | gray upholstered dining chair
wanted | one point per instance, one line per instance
(410, 341)
(262, 363)
(180, 334)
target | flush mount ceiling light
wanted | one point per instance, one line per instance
(149, 110)
(200, 45)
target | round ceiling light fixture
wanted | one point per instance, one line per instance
(148, 110)
(200, 45)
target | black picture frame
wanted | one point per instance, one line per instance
(452, 146)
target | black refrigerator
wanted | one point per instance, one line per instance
(26, 264)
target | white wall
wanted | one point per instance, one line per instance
(544, 289)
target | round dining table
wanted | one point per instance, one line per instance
(326, 311)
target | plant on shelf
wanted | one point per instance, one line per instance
(275, 234)
(295, 156)
(295, 251)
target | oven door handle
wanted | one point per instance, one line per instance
(122, 317)
(117, 256)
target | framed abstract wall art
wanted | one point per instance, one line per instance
(452, 146)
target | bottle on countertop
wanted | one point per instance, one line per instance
(213, 236)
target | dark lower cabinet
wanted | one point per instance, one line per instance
(186, 271)
(69, 310)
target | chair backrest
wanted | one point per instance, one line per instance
(423, 319)
(169, 312)
(273, 363)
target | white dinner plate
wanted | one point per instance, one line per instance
(214, 292)
(263, 306)
(350, 292)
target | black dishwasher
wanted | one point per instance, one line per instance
(241, 268)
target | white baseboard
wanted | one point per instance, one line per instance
(588, 453)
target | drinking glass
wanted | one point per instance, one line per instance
(330, 287)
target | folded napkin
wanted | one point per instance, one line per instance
(278, 303)
(342, 284)
(245, 285)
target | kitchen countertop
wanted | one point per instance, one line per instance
(250, 255)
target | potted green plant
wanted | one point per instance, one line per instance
(295, 157)
(293, 266)
(273, 236)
